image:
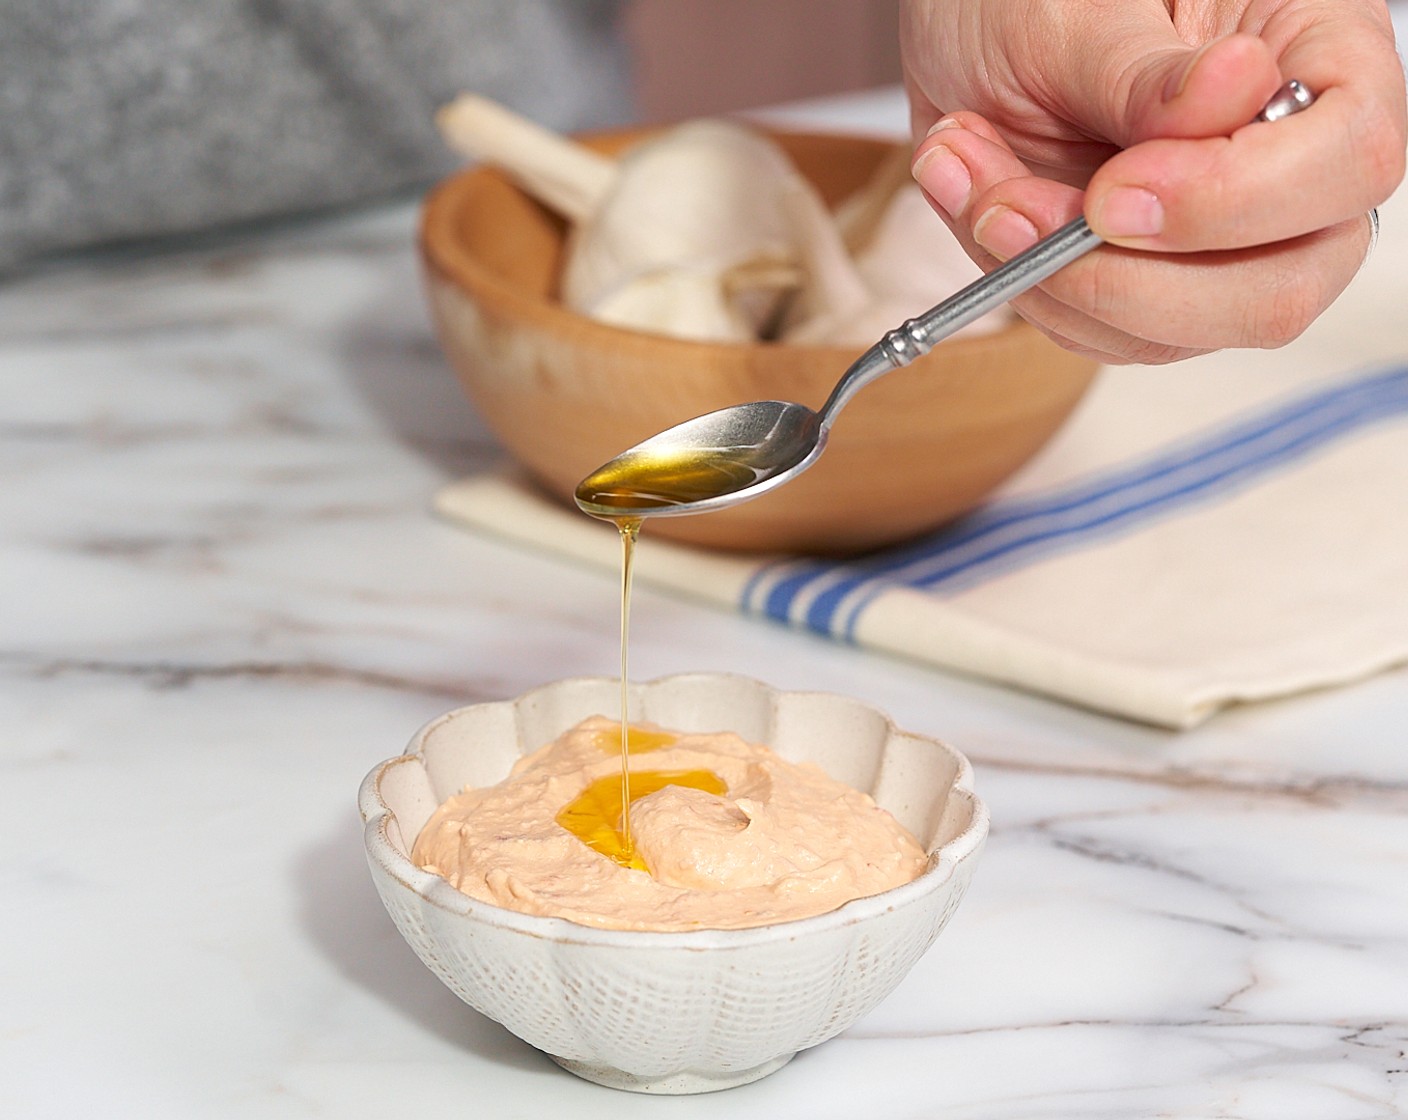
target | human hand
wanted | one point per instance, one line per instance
(1221, 233)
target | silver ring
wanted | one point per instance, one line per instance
(1373, 230)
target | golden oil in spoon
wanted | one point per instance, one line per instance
(668, 477)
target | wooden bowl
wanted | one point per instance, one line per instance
(564, 393)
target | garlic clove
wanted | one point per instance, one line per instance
(833, 291)
(912, 262)
(859, 216)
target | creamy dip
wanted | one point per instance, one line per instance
(783, 840)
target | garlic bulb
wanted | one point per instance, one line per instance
(685, 234)
(707, 231)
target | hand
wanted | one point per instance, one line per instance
(1222, 232)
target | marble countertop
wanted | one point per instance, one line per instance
(224, 600)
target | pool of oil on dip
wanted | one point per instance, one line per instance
(727, 834)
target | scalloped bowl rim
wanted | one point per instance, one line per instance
(943, 860)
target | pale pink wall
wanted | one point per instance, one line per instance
(710, 56)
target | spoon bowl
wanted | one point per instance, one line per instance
(707, 463)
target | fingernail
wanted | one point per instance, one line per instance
(1178, 80)
(1128, 212)
(944, 178)
(1003, 232)
(941, 124)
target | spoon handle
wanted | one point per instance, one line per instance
(916, 337)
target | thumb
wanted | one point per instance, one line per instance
(1138, 80)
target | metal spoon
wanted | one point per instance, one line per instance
(738, 453)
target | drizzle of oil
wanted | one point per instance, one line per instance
(597, 815)
(671, 477)
(630, 530)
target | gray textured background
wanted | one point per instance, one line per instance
(123, 119)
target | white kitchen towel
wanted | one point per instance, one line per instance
(1229, 529)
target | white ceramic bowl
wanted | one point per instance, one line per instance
(675, 1012)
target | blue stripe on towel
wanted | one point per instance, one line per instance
(830, 597)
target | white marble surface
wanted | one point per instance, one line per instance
(222, 600)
